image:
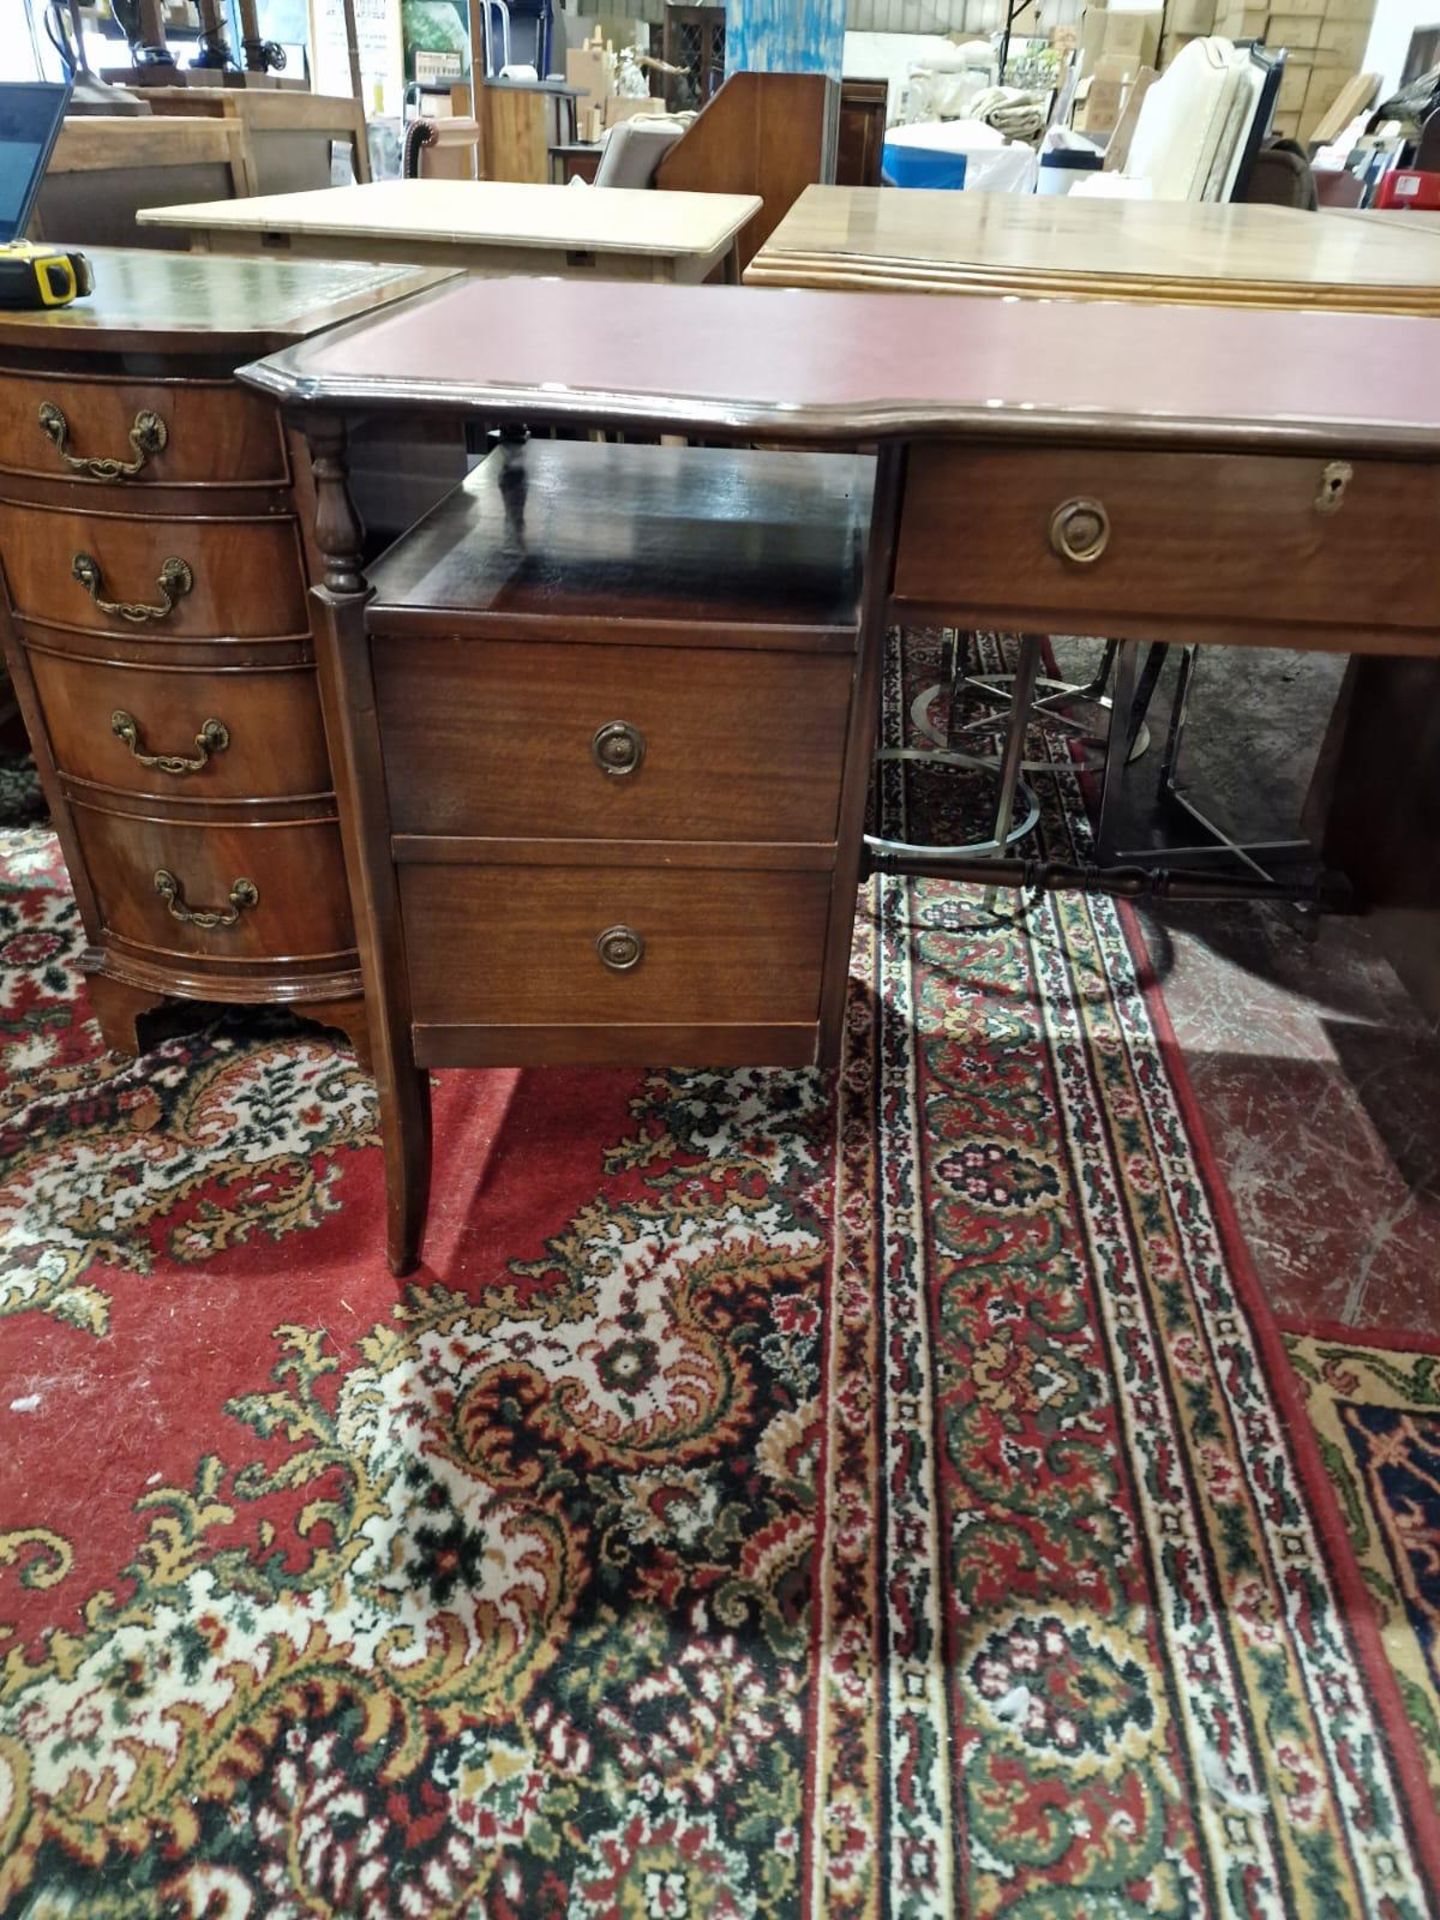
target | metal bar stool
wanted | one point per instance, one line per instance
(1007, 829)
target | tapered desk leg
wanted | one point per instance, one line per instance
(347, 695)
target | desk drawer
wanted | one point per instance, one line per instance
(503, 739)
(1248, 538)
(295, 907)
(517, 946)
(185, 736)
(128, 434)
(178, 579)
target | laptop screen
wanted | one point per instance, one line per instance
(30, 117)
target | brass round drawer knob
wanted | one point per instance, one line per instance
(1080, 531)
(620, 948)
(618, 748)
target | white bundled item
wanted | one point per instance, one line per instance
(942, 86)
(1018, 115)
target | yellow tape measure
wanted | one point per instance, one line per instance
(33, 276)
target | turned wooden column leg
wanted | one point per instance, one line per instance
(117, 1007)
(347, 696)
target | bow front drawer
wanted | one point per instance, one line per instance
(538, 738)
(128, 434)
(183, 736)
(164, 578)
(236, 895)
(1150, 540)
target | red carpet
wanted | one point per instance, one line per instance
(775, 1497)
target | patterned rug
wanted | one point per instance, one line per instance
(1375, 1405)
(778, 1496)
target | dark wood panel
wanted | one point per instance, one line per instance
(863, 106)
(275, 743)
(246, 575)
(770, 134)
(637, 1046)
(1237, 537)
(303, 910)
(590, 533)
(1383, 829)
(218, 434)
(516, 946)
(499, 738)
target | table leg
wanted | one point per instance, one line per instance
(1022, 695)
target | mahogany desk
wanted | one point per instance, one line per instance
(1133, 470)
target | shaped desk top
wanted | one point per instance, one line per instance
(462, 216)
(863, 238)
(844, 367)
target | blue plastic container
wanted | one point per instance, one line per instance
(906, 166)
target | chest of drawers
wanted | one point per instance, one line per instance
(594, 737)
(156, 612)
(611, 688)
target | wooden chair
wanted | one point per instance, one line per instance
(106, 167)
(288, 134)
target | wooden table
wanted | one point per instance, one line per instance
(860, 238)
(1244, 477)
(483, 226)
(1412, 224)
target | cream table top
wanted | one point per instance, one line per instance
(489, 224)
(1412, 223)
(1186, 252)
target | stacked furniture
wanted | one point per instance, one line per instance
(155, 539)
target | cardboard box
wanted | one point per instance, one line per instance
(1345, 41)
(1293, 83)
(1286, 126)
(1294, 30)
(1350, 10)
(1103, 96)
(1325, 88)
(1190, 18)
(1132, 36)
(618, 109)
(587, 66)
(1242, 23)
(1129, 36)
